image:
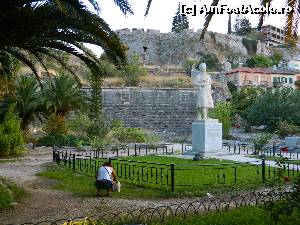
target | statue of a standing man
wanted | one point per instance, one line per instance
(203, 83)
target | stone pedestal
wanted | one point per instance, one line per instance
(206, 137)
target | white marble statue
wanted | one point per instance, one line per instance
(202, 81)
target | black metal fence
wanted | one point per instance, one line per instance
(179, 211)
(174, 177)
(267, 150)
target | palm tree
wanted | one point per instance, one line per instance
(27, 100)
(63, 95)
(34, 28)
(291, 25)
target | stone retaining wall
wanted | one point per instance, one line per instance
(164, 109)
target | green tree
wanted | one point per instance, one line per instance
(100, 125)
(180, 22)
(243, 99)
(132, 71)
(27, 100)
(242, 26)
(259, 61)
(11, 137)
(63, 95)
(229, 30)
(277, 57)
(33, 29)
(212, 62)
(274, 106)
(223, 111)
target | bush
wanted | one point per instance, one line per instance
(11, 136)
(132, 71)
(55, 125)
(243, 99)
(250, 45)
(121, 134)
(259, 61)
(5, 197)
(80, 124)
(285, 129)
(261, 140)
(9, 192)
(63, 140)
(188, 63)
(212, 62)
(274, 106)
(223, 111)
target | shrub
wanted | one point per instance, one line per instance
(243, 99)
(223, 111)
(259, 61)
(132, 71)
(121, 134)
(212, 62)
(55, 125)
(250, 45)
(11, 136)
(274, 106)
(80, 124)
(285, 129)
(188, 63)
(63, 140)
(5, 196)
(260, 140)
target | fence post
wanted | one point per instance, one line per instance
(74, 162)
(263, 169)
(53, 153)
(172, 177)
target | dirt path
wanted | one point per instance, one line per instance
(46, 204)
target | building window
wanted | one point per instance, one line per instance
(290, 80)
(275, 80)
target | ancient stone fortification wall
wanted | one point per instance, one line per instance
(166, 109)
(173, 49)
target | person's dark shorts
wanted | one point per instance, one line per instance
(103, 184)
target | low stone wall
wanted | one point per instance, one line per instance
(165, 109)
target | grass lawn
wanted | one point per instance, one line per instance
(273, 158)
(248, 215)
(9, 192)
(141, 180)
(8, 160)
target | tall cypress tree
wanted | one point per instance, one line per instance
(180, 22)
(229, 31)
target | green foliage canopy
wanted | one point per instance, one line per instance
(274, 106)
(259, 61)
(242, 26)
(11, 136)
(223, 111)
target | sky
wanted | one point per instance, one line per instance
(162, 12)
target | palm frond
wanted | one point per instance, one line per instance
(292, 21)
(208, 18)
(124, 6)
(23, 58)
(32, 26)
(148, 7)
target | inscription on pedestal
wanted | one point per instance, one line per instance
(213, 130)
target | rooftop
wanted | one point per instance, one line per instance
(261, 71)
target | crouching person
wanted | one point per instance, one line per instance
(105, 178)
